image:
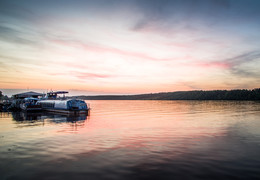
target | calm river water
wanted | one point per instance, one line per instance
(135, 140)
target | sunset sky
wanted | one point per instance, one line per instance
(129, 46)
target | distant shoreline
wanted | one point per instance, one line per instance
(238, 94)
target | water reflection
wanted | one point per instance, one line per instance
(25, 119)
(21, 117)
(135, 140)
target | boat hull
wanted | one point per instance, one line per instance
(66, 111)
(31, 107)
(66, 106)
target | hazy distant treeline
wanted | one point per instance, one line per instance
(240, 94)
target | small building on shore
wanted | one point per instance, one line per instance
(18, 99)
(27, 95)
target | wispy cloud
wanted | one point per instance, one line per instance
(221, 65)
(243, 58)
(238, 65)
(105, 49)
(82, 75)
(15, 36)
(85, 75)
(230, 63)
(13, 10)
(138, 44)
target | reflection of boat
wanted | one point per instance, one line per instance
(29, 117)
(67, 106)
(61, 118)
(30, 104)
(4, 105)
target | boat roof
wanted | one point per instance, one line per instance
(58, 92)
(58, 100)
(28, 94)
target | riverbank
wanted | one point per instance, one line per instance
(239, 94)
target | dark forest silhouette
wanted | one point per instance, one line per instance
(239, 94)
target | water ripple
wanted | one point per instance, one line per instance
(135, 140)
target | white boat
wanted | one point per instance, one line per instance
(68, 106)
(30, 104)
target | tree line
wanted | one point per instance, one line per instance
(238, 94)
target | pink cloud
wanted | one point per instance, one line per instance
(86, 75)
(222, 65)
(178, 45)
(82, 75)
(100, 49)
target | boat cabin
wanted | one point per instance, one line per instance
(63, 105)
(54, 94)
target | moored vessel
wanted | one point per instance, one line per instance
(53, 103)
(30, 104)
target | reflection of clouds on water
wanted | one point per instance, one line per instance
(135, 140)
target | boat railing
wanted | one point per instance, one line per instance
(88, 105)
